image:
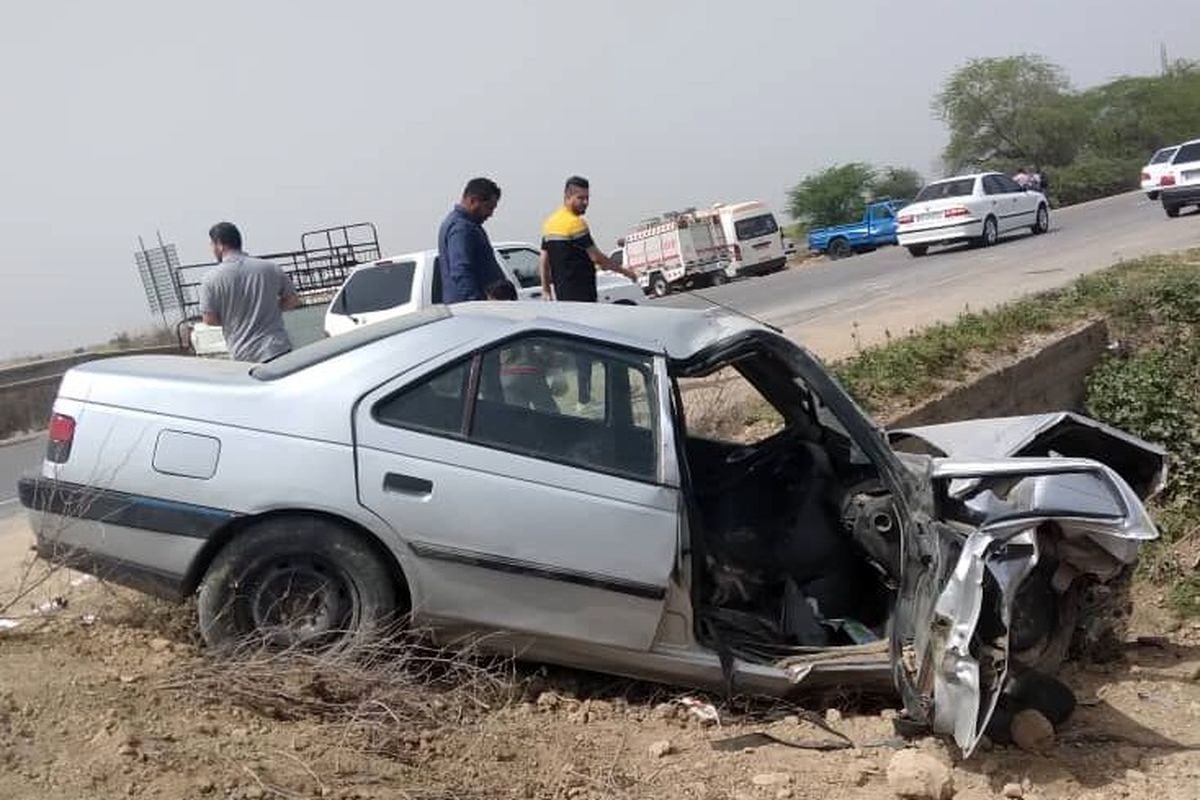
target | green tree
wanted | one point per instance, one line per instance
(1008, 111)
(832, 196)
(897, 182)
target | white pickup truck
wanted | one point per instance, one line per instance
(397, 285)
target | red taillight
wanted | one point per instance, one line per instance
(1166, 180)
(958, 212)
(61, 435)
(904, 219)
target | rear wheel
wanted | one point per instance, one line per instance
(918, 250)
(1172, 210)
(659, 286)
(296, 582)
(1152, 196)
(719, 278)
(1043, 220)
(991, 233)
(840, 248)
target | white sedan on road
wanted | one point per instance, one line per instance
(972, 208)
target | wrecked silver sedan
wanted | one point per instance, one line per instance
(582, 485)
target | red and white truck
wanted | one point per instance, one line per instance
(678, 251)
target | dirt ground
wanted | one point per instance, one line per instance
(106, 694)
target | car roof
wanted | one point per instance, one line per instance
(679, 333)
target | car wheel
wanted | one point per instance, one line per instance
(840, 248)
(719, 278)
(296, 582)
(991, 233)
(1172, 211)
(918, 250)
(1152, 196)
(1043, 220)
(659, 286)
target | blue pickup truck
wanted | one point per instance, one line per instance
(876, 228)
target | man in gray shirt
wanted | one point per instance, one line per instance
(246, 296)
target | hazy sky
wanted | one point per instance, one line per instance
(122, 118)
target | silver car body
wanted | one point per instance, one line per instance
(172, 456)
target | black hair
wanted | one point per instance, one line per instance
(500, 290)
(482, 189)
(576, 182)
(226, 233)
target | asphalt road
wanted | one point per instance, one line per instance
(1082, 239)
(820, 303)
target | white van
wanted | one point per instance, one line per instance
(756, 242)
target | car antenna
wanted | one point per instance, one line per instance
(733, 310)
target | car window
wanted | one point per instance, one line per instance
(376, 288)
(525, 265)
(568, 402)
(753, 227)
(959, 187)
(1008, 184)
(1187, 154)
(617, 257)
(881, 212)
(434, 405)
(1164, 155)
(992, 185)
(725, 407)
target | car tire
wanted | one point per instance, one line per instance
(1152, 196)
(659, 286)
(840, 248)
(991, 233)
(346, 592)
(918, 250)
(1043, 220)
(1172, 210)
(719, 278)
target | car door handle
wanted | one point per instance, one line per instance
(407, 484)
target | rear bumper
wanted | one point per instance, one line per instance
(144, 543)
(764, 267)
(1181, 195)
(953, 232)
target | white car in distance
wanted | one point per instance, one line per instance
(972, 208)
(398, 285)
(1152, 173)
(1179, 185)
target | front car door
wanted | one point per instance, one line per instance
(535, 485)
(883, 224)
(524, 264)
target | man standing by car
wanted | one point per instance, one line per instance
(570, 257)
(246, 297)
(466, 259)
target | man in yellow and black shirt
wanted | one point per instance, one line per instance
(569, 256)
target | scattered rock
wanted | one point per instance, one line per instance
(915, 775)
(784, 794)
(1013, 790)
(1032, 732)
(127, 749)
(832, 715)
(160, 645)
(661, 749)
(772, 779)
(254, 792)
(205, 786)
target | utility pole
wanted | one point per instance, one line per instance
(1162, 54)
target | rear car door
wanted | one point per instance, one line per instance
(1000, 202)
(532, 484)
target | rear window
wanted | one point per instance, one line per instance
(752, 228)
(304, 357)
(376, 288)
(959, 187)
(1164, 155)
(1187, 154)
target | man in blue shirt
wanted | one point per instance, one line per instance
(465, 256)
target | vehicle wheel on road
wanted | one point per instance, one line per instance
(659, 286)
(296, 582)
(991, 232)
(1043, 220)
(719, 278)
(918, 250)
(1172, 211)
(840, 248)
(1152, 196)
